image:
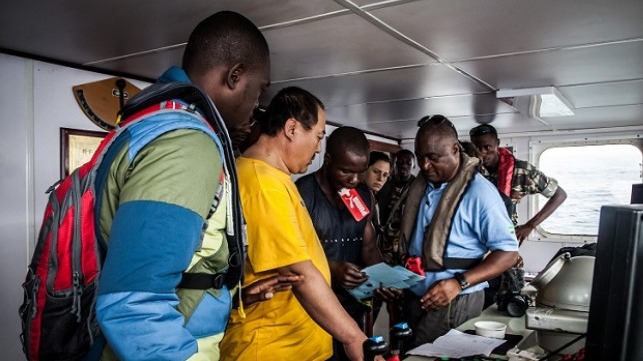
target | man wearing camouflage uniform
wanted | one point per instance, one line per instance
(516, 178)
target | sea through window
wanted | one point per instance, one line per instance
(592, 176)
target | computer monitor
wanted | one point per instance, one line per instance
(615, 323)
(637, 194)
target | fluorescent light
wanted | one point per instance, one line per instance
(554, 106)
(542, 102)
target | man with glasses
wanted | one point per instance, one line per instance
(516, 178)
(296, 324)
(452, 218)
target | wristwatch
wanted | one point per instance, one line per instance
(461, 280)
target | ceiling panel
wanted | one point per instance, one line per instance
(397, 84)
(563, 67)
(461, 29)
(365, 116)
(503, 122)
(95, 32)
(379, 3)
(336, 45)
(149, 65)
(406, 130)
(605, 94)
(616, 116)
(377, 74)
(82, 32)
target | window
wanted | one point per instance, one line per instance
(592, 176)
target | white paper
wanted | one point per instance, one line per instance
(383, 275)
(458, 344)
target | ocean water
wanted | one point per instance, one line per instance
(592, 176)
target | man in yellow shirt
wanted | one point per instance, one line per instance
(295, 324)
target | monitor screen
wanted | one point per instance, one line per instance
(615, 323)
(637, 194)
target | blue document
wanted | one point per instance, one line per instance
(383, 275)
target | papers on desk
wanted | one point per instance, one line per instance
(383, 275)
(457, 344)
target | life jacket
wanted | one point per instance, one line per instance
(436, 237)
(506, 163)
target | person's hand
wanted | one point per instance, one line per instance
(357, 353)
(265, 289)
(440, 294)
(355, 348)
(347, 274)
(523, 231)
(389, 294)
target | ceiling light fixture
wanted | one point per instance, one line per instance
(538, 102)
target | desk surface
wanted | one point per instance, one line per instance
(515, 325)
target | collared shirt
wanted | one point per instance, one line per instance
(480, 224)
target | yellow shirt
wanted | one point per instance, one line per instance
(280, 233)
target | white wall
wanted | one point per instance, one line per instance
(54, 107)
(16, 218)
(36, 100)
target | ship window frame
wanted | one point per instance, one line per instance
(539, 147)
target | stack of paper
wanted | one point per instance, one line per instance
(457, 344)
(383, 275)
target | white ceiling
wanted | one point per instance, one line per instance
(377, 65)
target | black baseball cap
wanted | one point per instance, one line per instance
(483, 129)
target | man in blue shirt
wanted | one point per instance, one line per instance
(455, 218)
